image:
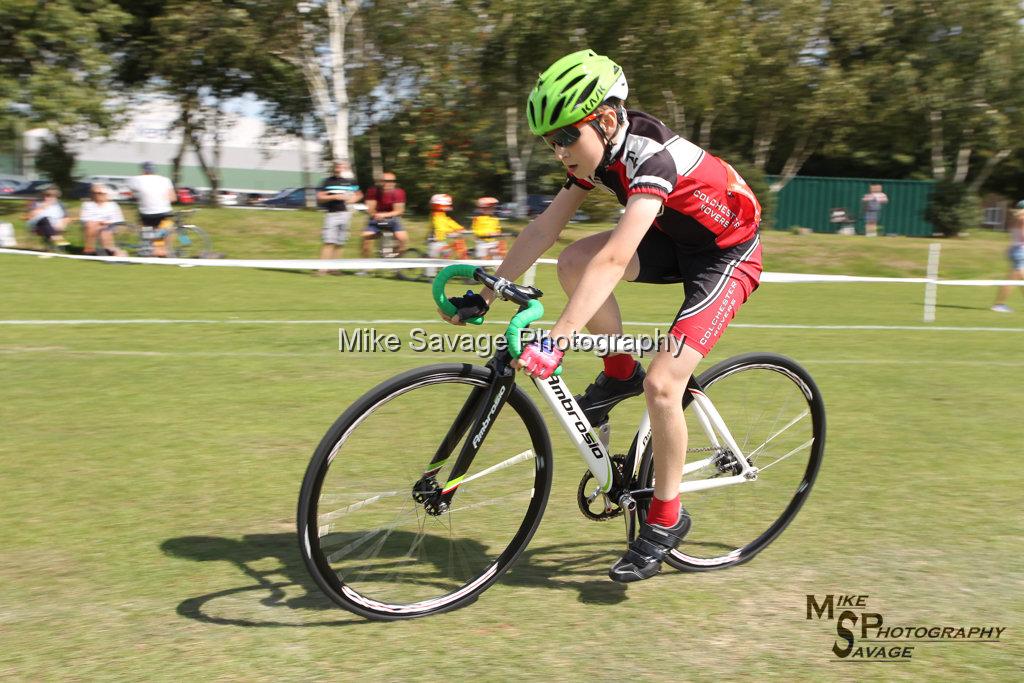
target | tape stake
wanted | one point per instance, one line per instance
(931, 289)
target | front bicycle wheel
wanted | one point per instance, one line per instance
(775, 413)
(191, 241)
(373, 544)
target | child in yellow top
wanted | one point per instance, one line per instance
(442, 225)
(486, 228)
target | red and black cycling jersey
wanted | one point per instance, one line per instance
(707, 204)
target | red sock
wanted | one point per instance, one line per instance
(619, 366)
(663, 512)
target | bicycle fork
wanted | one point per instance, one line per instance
(477, 415)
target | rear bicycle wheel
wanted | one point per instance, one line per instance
(128, 240)
(371, 546)
(411, 274)
(775, 413)
(191, 241)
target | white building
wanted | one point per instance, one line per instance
(252, 158)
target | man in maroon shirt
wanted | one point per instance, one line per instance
(384, 204)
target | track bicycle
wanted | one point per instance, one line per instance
(178, 238)
(429, 487)
(388, 248)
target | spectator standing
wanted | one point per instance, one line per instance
(1016, 255)
(99, 218)
(872, 204)
(154, 194)
(385, 203)
(336, 194)
(47, 218)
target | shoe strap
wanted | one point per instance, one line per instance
(642, 551)
(663, 536)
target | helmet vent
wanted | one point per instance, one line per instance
(572, 82)
(557, 109)
(586, 92)
(564, 73)
(543, 106)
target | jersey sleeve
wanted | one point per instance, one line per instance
(572, 180)
(656, 176)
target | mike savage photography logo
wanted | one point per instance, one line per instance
(372, 340)
(864, 635)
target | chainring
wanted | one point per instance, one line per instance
(586, 488)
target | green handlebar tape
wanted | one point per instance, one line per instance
(534, 311)
(446, 274)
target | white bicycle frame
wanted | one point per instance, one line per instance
(594, 450)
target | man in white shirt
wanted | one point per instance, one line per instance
(100, 217)
(154, 194)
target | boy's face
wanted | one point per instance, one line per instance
(582, 157)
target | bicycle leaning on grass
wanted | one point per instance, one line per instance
(428, 487)
(173, 238)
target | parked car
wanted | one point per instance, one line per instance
(186, 195)
(227, 198)
(536, 203)
(80, 190)
(9, 185)
(118, 184)
(288, 198)
(30, 188)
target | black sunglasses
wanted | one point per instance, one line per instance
(567, 135)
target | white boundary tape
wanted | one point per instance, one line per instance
(398, 264)
(469, 329)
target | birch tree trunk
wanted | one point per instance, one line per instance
(518, 159)
(963, 159)
(330, 99)
(376, 158)
(986, 170)
(338, 15)
(210, 168)
(801, 152)
(938, 158)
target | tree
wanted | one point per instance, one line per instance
(54, 71)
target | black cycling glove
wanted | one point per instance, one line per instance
(471, 305)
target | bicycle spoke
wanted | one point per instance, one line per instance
(515, 459)
(771, 438)
(799, 448)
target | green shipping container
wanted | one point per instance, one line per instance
(810, 202)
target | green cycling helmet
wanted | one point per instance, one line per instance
(573, 88)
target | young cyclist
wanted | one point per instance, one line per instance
(487, 229)
(442, 226)
(689, 219)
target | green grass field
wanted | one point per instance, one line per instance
(150, 474)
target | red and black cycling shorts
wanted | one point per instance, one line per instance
(716, 283)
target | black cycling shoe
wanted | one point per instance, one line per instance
(643, 559)
(603, 395)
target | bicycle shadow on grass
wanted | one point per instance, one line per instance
(290, 591)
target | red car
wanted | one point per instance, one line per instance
(186, 196)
